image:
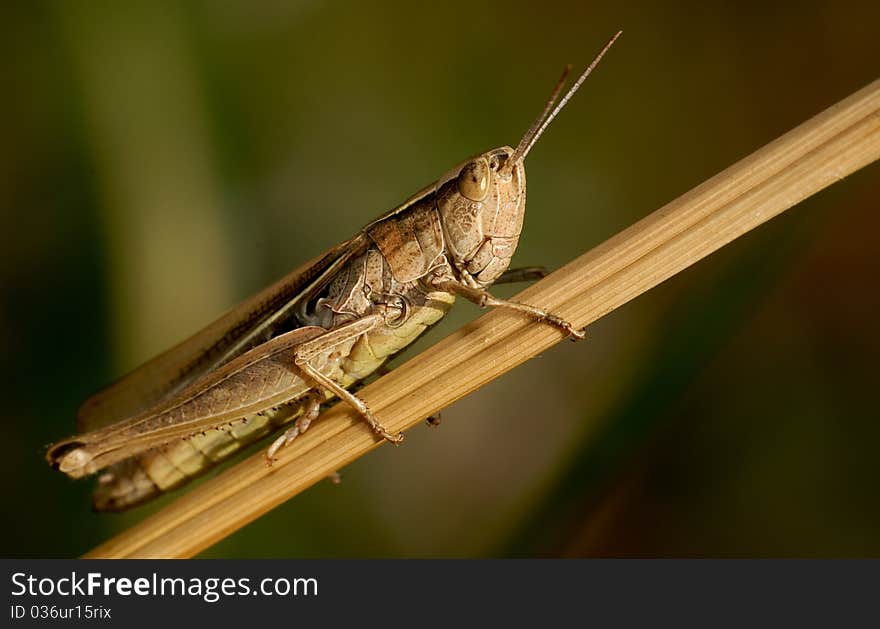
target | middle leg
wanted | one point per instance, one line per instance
(302, 423)
(308, 350)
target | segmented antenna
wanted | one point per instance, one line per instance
(526, 140)
(543, 121)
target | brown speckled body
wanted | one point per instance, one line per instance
(347, 298)
(166, 467)
(251, 388)
(324, 327)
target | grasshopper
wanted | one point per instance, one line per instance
(274, 359)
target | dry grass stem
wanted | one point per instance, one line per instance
(821, 151)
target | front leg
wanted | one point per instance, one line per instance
(484, 299)
(522, 274)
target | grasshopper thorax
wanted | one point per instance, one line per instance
(481, 208)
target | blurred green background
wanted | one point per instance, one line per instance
(162, 160)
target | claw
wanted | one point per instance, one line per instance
(577, 335)
(395, 439)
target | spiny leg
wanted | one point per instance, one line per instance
(311, 411)
(308, 350)
(484, 298)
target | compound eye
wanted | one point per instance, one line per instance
(473, 180)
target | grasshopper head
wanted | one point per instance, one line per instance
(482, 203)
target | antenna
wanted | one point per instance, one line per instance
(543, 121)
